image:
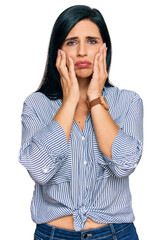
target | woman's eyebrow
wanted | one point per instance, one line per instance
(72, 38)
(91, 37)
(75, 38)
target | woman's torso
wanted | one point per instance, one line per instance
(67, 222)
(83, 194)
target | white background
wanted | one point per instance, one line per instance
(135, 30)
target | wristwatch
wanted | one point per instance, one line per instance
(100, 100)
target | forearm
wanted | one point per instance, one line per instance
(105, 128)
(65, 116)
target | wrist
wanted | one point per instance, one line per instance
(92, 97)
(69, 104)
(99, 100)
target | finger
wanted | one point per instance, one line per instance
(58, 59)
(105, 54)
(105, 63)
(102, 62)
(62, 67)
(101, 59)
(71, 69)
(96, 65)
(102, 47)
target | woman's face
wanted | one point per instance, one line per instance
(82, 44)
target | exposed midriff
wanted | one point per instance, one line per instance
(67, 222)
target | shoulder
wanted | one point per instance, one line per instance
(121, 95)
(35, 98)
(41, 106)
(34, 102)
(39, 103)
(38, 99)
(121, 101)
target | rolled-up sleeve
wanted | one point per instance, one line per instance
(127, 146)
(44, 147)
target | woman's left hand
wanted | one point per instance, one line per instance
(99, 74)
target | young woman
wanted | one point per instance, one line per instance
(81, 137)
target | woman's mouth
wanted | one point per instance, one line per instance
(83, 64)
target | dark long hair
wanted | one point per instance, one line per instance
(50, 84)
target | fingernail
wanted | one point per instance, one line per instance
(70, 59)
(60, 51)
(103, 46)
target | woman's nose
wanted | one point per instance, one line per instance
(82, 50)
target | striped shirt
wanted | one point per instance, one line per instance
(76, 178)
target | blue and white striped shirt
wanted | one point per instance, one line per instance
(76, 178)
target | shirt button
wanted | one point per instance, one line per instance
(45, 170)
(85, 162)
(135, 165)
(83, 138)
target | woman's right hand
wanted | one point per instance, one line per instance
(68, 78)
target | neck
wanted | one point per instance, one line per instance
(83, 83)
(83, 87)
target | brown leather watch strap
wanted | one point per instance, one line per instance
(94, 102)
(100, 100)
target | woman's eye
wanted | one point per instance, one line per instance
(92, 41)
(71, 43)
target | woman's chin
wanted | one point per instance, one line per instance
(84, 73)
